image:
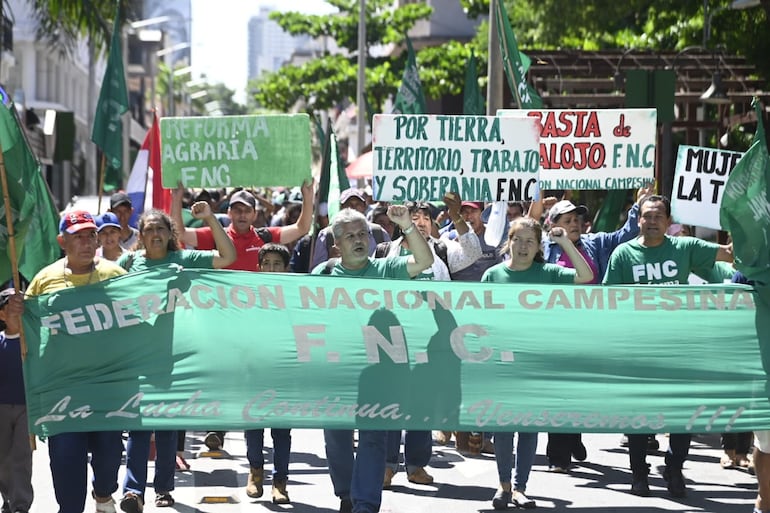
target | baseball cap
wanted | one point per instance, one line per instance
(76, 220)
(472, 204)
(5, 295)
(245, 197)
(347, 194)
(105, 220)
(565, 207)
(119, 198)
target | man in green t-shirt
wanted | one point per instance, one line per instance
(358, 481)
(654, 258)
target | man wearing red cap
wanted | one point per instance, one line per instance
(68, 452)
(247, 240)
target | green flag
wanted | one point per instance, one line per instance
(608, 217)
(745, 211)
(338, 180)
(410, 98)
(107, 131)
(35, 219)
(526, 97)
(473, 102)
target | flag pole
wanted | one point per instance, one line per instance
(101, 184)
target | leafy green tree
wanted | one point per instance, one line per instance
(62, 22)
(325, 81)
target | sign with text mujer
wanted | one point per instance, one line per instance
(699, 182)
(594, 149)
(234, 151)
(482, 158)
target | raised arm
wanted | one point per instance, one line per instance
(294, 231)
(187, 235)
(421, 257)
(225, 253)
(584, 272)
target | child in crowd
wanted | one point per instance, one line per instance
(273, 258)
(15, 450)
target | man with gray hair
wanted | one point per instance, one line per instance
(358, 480)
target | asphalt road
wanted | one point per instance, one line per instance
(462, 484)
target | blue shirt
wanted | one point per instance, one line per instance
(11, 375)
(599, 246)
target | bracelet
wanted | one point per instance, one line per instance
(408, 230)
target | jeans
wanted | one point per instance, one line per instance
(560, 448)
(360, 478)
(68, 453)
(526, 448)
(255, 443)
(418, 447)
(678, 448)
(137, 453)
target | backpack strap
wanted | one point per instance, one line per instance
(264, 234)
(329, 265)
(439, 246)
(381, 250)
(377, 232)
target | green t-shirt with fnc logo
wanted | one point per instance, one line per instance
(668, 264)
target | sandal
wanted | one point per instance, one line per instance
(742, 461)
(164, 500)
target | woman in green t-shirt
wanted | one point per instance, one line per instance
(526, 265)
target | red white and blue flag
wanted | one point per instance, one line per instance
(144, 184)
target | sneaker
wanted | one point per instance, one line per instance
(346, 506)
(522, 500)
(675, 479)
(131, 503)
(387, 480)
(419, 476)
(557, 469)
(501, 499)
(105, 507)
(254, 486)
(164, 500)
(488, 447)
(212, 441)
(279, 493)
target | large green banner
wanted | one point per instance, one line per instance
(233, 151)
(174, 349)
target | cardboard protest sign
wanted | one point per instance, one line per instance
(482, 158)
(594, 149)
(233, 151)
(699, 183)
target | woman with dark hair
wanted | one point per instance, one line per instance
(527, 265)
(159, 246)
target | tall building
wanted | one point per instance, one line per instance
(269, 46)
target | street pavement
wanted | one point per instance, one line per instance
(462, 484)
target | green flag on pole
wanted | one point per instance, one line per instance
(525, 95)
(107, 131)
(473, 102)
(410, 98)
(745, 211)
(35, 219)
